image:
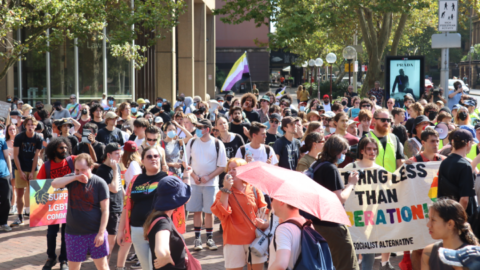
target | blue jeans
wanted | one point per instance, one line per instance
(367, 261)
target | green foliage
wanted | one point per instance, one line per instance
(85, 20)
(220, 78)
(337, 89)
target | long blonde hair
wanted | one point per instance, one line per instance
(314, 125)
(128, 157)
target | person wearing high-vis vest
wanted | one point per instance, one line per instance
(390, 150)
(471, 105)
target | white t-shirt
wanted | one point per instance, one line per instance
(204, 158)
(259, 154)
(350, 166)
(287, 236)
(133, 169)
(181, 134)
(327, 107)
(138, 141)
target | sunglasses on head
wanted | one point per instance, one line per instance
(152, 156)
(388, 120)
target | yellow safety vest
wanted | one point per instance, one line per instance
(386, 158)
(473, 153)
(440, 145)
(474, 119)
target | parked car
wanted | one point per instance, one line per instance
(466, 90)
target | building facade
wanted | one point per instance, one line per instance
(183, 62)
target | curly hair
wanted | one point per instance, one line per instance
(51, 149)
(249, 95)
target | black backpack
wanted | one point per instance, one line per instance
(217, 147)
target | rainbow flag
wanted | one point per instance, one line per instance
(433, 192)
(236, 73)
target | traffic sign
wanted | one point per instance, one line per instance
(346, 67)
(447, 15)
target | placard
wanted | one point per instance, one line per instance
(4, 109)
(48, 206)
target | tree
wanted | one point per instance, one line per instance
(53, 21)
(320, 26)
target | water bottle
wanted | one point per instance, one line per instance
(212, 117)
(249, 154)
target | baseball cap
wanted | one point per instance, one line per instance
(445, 109)
(141, 101)
(146, 101)
(409, 95)
(205, 123)
(326, 96)
(111, 115)
(468, 257)
(2, 119)
(15, 113)
(220, 98)
(64, 122)
(158, 119)
(57, 103)
(471, 131)
(456, 107)
(469, 103)
(477, 126)
(276, 116)
(73, 96)
(130, 146)
(350, 121)
(463, 134)
(112, 147)
(329, 114)
(20, 101)
(287, 120)
(38, 103)
(320, 108)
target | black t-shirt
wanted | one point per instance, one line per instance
(409, 125)
(353, 94)
(239, 129)
(143, 193)
(26, 149)
(288, 151)
(154, 110)
(399, 153)
(177, 248)
(232, 147)
(271, 138)
(116, 199)
(84, 211)
(100, 124)
(252, 116)
(401, 132)
(455, 179)
(98, 147)
(329, 177)
(73, 141)
(106, 136)
(165, 116)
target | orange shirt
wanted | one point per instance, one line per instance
(237, 230)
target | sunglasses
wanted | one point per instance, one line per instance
(366, 106)
(152, 156)
(151, 140)
(389, 102)
(388, 120)
(201, 127)
(274, 121)
(215, 130)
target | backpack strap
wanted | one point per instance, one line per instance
(243, 151)
(153, 224)
(191, 145)
(70, 163)
(217, 147)
(354, 165)
(267, 148)
(419, 157)
(47, 169)
(300, 226)
(162, 143)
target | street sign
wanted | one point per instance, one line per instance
(351, 67)
(447, 15)
(446, 41)
(364, 68)
(355, 69)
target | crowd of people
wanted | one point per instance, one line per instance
(127, 165)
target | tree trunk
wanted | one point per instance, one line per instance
(399, 33)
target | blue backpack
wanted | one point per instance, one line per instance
(310, 172)
(315, 254)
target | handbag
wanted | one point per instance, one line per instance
(190, 262)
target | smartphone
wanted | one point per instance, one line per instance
(86, 132)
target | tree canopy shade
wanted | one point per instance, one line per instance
(84, 19)
(313, 28)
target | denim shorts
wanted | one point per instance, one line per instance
(202, 199)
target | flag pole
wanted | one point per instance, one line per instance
(249, 72)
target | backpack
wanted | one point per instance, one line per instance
(311, 171)
(315, 253)
(48, 165)
(243, 151)
(419, 158)
(217, 147)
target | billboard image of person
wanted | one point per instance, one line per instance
(404, 76)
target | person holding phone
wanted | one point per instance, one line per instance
(455, 95)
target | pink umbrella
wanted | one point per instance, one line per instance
(295, 189)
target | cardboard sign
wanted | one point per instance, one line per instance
(389, 212)
(4, 107)
(48, 206)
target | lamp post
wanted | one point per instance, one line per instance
(304, 65)
(311, 63)
(318, 64)
(331, 58)
(349, 53)
(472, 50)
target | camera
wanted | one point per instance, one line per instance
(436, 92)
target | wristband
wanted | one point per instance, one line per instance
(224, 190)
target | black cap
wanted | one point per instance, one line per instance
(15, 113)
(112, 147)
(38, 102)
(276, 116)
(205, 123)
(421, 119)
(445, 109)
(15, 98)
(57, 103)
(462, 135)
(220, 98)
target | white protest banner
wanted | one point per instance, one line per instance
(389, 212)
(4, 109)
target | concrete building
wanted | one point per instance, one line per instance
(183, 62)
(233, 41)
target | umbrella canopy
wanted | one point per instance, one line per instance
(295, 189)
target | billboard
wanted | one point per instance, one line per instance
(404, 75)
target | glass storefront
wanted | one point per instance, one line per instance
(32, 74)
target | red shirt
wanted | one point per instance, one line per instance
(56, 169)
(438, 157)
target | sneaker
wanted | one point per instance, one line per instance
(64, 265)
(136, 266)
(197, 244)
(132, 258)
(13, 210)
(26, 213)
(17, 223)
(5, 228)
(387, 266)
(49, 264)
(211, 244)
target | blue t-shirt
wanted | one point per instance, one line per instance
(4, 172)
(454, 100)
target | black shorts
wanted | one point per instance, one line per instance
(112, 224)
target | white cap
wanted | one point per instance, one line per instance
(147, 101)
(158, 119)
